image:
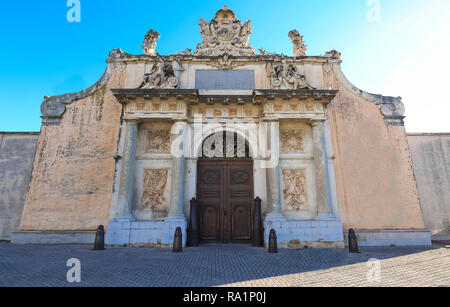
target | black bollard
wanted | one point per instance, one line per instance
(193, 225)
(99, 239)
(352, 242)
(273, 248)
(258, 230)
(178, 241)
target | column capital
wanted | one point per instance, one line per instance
(271, 120)
(131, 121)
(177, 121)
(316, 123)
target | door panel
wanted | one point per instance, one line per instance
(240, 222)
(225, 194)
(210, 221)
(240, 196)
(210, 193)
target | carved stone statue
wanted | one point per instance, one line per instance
(225, 34)
(161, 76)
(285, 76)
(299, 45)
(150, 42)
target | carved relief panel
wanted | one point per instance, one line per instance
(295, 189)
(291, 140)
(154, 190)
(157, 140)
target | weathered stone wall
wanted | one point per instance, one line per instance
(17, 152)
(374, 175)
(73, 174)
(431, 161)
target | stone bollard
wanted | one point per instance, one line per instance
(99, 239)
(273, 248)
(178, 241)
(352, 242)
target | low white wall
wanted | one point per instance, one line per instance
(430, 154)
(385, 237)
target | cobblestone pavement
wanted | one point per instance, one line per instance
(37, 265)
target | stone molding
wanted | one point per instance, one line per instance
(392, 108)
(194, 96)
(53, 108)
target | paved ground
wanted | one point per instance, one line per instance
(222, 266)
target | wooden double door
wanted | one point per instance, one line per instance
(225, 199)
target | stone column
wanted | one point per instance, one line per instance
(176, 211)
(126, 187)
(331, 178)
(273, 173)
(323, 206)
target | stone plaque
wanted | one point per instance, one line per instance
(154, 189)
(295, 195)
(225, 79)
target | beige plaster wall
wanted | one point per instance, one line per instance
(73, 173)
(374, 177)
(431, 161)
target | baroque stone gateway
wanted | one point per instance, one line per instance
(220, 127)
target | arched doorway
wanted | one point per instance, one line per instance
(225, 189)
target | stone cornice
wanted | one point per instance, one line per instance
(193, 96)
(257, 58)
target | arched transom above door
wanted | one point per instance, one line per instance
(226, 145)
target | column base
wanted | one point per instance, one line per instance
(275, 218)
(326, 216)
(179, 218)
(124, 218)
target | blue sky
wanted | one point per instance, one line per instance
(404, 54)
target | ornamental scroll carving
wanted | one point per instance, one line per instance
(225, 34)
(158, 140)
(295, 195)
(291, 140)
(154, 189)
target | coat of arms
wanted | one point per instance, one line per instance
(225, 34)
